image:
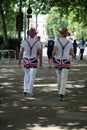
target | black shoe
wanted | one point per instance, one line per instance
(25, 93)
(49, 67)
(61, 97)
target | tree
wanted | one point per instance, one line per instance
(4, 30)
(7, 11)
(39, 7)
(55, 22)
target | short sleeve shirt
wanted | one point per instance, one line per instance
(27, 48)
(66, 52)
(50, 44)
(82, 44)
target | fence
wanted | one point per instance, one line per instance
(7, 55)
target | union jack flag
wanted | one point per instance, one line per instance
(28, 63)
(60, 64)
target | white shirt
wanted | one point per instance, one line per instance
(27, 48)
(82, 46)
(66, 54)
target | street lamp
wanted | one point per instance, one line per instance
(19, 21)
(82, 34)
(29, 12)
(73, 30)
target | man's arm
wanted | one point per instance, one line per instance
(40, 56)
(20, 56)
(72, 52)
(54, 51)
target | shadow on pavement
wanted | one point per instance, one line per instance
(43, 111)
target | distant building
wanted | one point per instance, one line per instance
(39, 24)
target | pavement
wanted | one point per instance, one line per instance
(43, 111)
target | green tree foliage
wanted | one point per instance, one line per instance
(7, 15)
(55, 22)
(8, 10)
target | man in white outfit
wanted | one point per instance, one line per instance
(30, 47)
(63, 48)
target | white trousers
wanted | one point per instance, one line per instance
(62, 79)
(29, 78)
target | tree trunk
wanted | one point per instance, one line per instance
(3, 24)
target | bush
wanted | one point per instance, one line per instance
(13, 44)
(1, 39)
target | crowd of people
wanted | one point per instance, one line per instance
(59, 52)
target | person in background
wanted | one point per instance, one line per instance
(29, 49)
(63, 48)
(40, 56)
(82, 48)
(50, 45)
(75, 45)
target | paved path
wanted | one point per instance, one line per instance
(43, 111)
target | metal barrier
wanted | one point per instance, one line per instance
(7, 55)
